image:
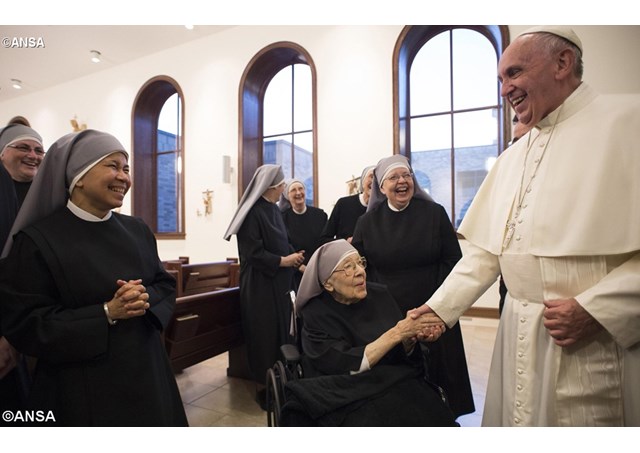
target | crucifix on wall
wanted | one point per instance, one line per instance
(352, 185)
(207, 198)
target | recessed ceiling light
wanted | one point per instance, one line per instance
(17, 84)
(96, 56)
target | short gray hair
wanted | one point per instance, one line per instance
(553, 44)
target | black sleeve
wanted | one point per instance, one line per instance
(331, 227)
(358, 239)
(325, 344)
(251, 245)
(161, 288)
(33, 318)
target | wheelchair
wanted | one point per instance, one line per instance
(291, 368)
(284, 370)
(288, 368)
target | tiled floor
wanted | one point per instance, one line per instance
(213, 399)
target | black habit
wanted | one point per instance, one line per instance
(9, 385)
(305, 231)
(264, 286)
(343, 218)
(412, 251)
(54, 282)
(8, 205)
(394, 392)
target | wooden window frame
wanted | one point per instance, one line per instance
(144, 125)
(253, 85)
(409, 43)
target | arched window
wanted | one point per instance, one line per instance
(278, 115)
(449, 119)
(158, 157)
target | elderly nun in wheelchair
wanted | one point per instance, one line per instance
(362, 366)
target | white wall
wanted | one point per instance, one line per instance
(354, 77)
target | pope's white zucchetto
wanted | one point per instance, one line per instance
(558, 30)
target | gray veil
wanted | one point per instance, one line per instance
(266, 176)
(384, 165)
(66, 158)
(320, 267)
(284, 202)
(15, 132)
(363, 176)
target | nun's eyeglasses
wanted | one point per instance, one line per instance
(350, 268)
(27, 149)
(395, 178)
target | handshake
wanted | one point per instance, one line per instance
(420, 324)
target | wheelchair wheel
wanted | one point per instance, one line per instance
(276, 379)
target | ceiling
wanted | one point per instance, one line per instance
(66, 52)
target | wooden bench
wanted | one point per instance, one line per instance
(234, 275)
(205, 325)
(202, 277)
(174, 268)
(171, 263)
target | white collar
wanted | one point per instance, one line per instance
(300, 213)
(393, 208)
(84, 215)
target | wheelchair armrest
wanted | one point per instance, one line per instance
(290, 353)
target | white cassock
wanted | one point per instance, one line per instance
(574, 181)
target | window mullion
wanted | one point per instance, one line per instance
(453, 147)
